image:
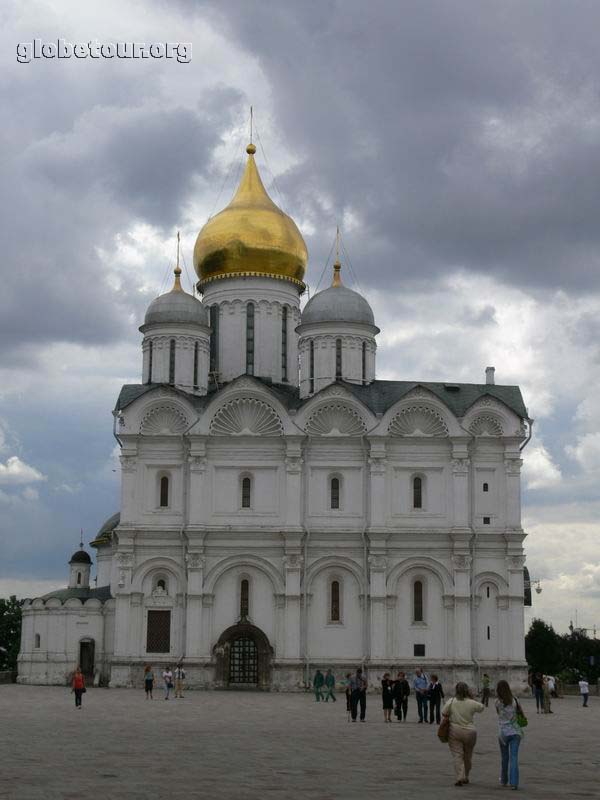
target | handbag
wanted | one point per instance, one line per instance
(83, 690)
(522, 720)
(443, 730)
(169, 685)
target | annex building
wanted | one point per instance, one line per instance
(283, 509)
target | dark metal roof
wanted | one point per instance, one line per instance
(80, 557)
(102, 593)
(377, 396)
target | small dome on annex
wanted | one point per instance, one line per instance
(80, 557)
(176, 307)
(338, 304)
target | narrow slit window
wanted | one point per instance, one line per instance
(418, 601)
(487, 589)
(311, 366)
(78, 578)
(172, 362)
(196, 354)
(149, 362)
(164, 492)
(417, 492)
(335, 493)
(338, 358)
(246, 492)
(486, 487)
(284, 344)
(488, 633)
(335, 601)
(244, 598)
(250, 339)
(214, 338)
(364, 363)
(37, 641)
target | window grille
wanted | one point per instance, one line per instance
(246, 492)
(244, 599)
(172, 362)
(335, 601)
(243, 661)
(250, 339)
(486, 488)
(335, 493)
(417, 492)
(158, 637)
(164, 492)
(418, 601)
(338, 358)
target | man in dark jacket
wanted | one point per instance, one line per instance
(401, 693)
(436, 694)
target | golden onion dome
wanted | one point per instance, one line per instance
(251, 236)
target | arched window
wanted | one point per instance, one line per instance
(338, 358)
(417, 492)
(284, 343)
(161, 584)
(311, 366)
(78, 578)
(244, 598)
(250, 339)
(196, 349)
(246, 492)
(150, 361)
(334, 491)
(486, 487)
(37, 640)
(364, 363)
(334, 605)
(172, 362)
(214, 338)
(164, 492)
(418, 601)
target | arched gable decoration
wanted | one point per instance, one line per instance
(418, 420)
(246, 416)
(427, 566)
(339, 564)
(486, 425)
(246, 561)
(164, 419)
(335, 419)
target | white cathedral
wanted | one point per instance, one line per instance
(281, 509)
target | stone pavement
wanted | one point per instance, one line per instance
(273, 746)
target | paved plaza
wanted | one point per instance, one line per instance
(254, 745)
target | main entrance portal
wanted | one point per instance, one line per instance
(243, 658)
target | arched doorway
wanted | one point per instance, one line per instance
(243, 658)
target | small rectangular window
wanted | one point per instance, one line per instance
(486, 520)
(486, 487)
(419, 650)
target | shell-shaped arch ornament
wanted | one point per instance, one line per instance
(335, 419)
(418, 421)
(485, 425)
(246, 416)
(164, 419)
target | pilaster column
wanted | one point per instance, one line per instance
(516, 643)
(377, 477)
(512, 468)
(193, 624)
(460, 486)
(462, 606)
(128, 461)
(292, 564)
(197, 463)
(378, 566)
(293, 482)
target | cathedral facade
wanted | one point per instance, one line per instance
(281, 508)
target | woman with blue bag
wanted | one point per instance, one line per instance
(511, 721)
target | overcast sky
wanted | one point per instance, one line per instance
(456, 144)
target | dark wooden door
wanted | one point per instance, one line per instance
(243, 661)
(86, 659)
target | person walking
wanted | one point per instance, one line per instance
(463, 735)
(584, 691)
(546, 695)
(510, 734)
(78, 686)
(485, 689)
(329, 686)
(358, 695)
(401, 693)
(420, 685)
(318, 682)
(537, 683)
(179, 679)
(552, 686)
(387, 696)
(148, 681)
(168, 680)
(348, 694)
(436, 695)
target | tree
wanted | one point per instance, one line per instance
(10, 632)
(543, 648)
